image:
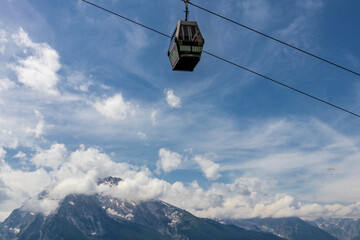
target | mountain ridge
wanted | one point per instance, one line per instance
(342, 228)
(291, 228)
(97, 216)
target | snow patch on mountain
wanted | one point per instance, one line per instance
(113, 212)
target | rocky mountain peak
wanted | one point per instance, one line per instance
(111, 181)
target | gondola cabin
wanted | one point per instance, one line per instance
(186, 46)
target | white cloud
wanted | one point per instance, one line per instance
(18, 128)
(44, 205)
(142, 135)
(140, 186)
(20, 155)
(78, 172)
(172, 100)
(209, 168)
(40, 126)
(168, 161)
(74, 173)
(300, 152)
(21, 123)
(79, 81)
(6, 84)
(74, 185)
(51, 158)
(39, 69)
(2, 154)
(115, 108)
(19, 186)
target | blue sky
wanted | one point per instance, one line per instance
(85, 94)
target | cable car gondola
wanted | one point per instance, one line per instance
(186, 45)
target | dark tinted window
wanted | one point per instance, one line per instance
(186, 32)
(193, 33)
(181, 33)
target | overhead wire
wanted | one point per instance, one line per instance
(128, 19)
(282, 84)
(232, 63)
(275, 39)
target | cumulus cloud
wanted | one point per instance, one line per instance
(43, 205)
(209, 168)
(52, 157)
(75, 185)
(115, 108)
(168, 161)
(76, 172)
(141, 186)
(172, 100)
(39, 69)
(79, 170)
(19, 185)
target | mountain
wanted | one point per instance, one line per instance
(85, 217)
(173, 221)
(78, 217)
(342, 228)
(291, 228)
(111, 181)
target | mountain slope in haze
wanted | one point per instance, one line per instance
(291, 228)
(85, 217)
(342, 228)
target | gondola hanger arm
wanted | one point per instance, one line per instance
(186, 9)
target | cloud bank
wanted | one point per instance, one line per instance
(77, 172)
